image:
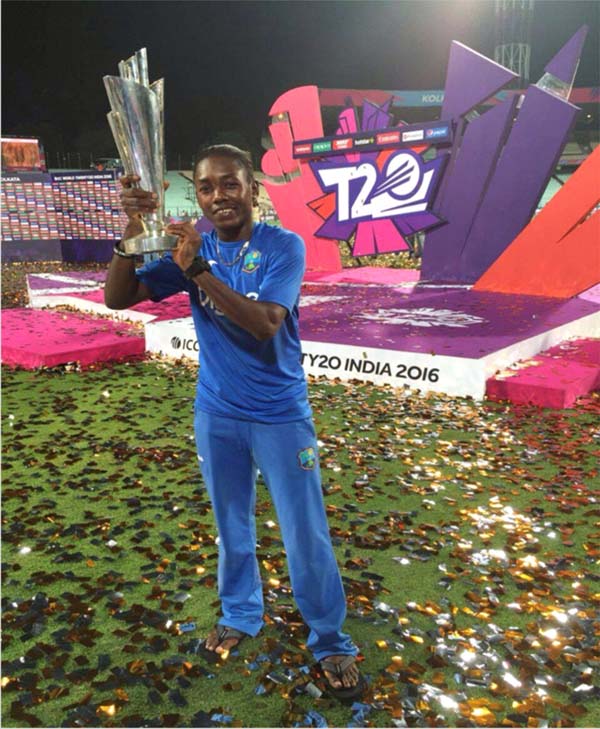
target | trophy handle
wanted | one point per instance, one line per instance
(158, 87)
(141, 59)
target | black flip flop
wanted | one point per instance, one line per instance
(345, 694)
(224, 632)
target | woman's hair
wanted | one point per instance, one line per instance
(227, 150)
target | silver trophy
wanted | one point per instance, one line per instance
(137, 124)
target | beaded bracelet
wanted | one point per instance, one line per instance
(121, 253)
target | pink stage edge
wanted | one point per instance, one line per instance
(178, 305)
(33, 338)
(365, 275)
(552, 379)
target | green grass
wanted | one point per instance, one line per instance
(463, 531)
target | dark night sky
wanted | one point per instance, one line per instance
(225, 63)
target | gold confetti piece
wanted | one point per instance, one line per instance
(234, 686)
(108, 709)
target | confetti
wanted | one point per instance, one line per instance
(468, 537)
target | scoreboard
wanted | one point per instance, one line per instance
(28, 207)
(66, 205)
(87, 205)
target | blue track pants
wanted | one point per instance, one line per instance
(230, 451)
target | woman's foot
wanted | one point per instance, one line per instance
(220, 641)
(341, 673)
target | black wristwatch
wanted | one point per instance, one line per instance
(198, 265)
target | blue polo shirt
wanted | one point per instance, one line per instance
(239, 376)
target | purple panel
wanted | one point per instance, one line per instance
(474, 165)
(374, 117)
(83, 251)
(337, 231)
(31, 250)
(564, 64)
(36, 283)
(471, 79)
(524, 169)
(449, 160)
(414, 222)
(454, 322)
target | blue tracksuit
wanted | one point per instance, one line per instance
(252, 412)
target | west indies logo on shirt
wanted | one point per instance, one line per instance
(251, 261)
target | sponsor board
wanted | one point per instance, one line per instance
(173, 337)
(415, 135)
(436, 132)
(302, 148)
(456, 376)
(321, 147)
(342, 143)
(373, 140)
(433, 97)
(388, 138)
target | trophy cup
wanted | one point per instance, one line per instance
(136, 120)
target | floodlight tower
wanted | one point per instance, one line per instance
(513, 36)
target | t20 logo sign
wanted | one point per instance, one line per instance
(364, 192)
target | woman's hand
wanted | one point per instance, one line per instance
(135, 202)
(187, 245)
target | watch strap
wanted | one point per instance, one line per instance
(198, 265)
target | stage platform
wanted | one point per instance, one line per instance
(33, 339)
(554, 378)
(381, 326)
(84, 292)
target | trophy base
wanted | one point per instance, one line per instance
(145, 243)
